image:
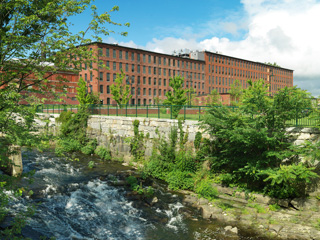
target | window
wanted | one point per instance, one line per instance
(100, 51)
(159, 92)
(138, 57)
(120, 54)
(155, 81)
(164, 92)
(127, 55)
(91, 77)
(127, 67)
(149, 80)
(149, 91)
(138, 68)
(101, 88)
(132, 91)
(164, 61)
(85, 66)
(132, 68)
(114, 76)
(144, 92)
(108, 77)
(149, 58)
(154, 92)
(149, 70)
(159, 60)
(144, 58)
(154, 59)
(114, 66)
(154, 70)
(114, 53)
(144, 69)
(108, 89)
(159, 71)
(107, 52)
(120, 66)
(132, 56)
(144, 80)
(164, 72)
(138, 80)
(132, 79)
(100, 76)
(159, 81)
(164, 82)
(139, 91)
(108, 64)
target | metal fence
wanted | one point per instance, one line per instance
(309, 119)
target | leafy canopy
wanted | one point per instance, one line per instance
(177, 97)
(120, 90)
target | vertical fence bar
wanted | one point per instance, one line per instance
(126, 110)
(170, 111)
(184, 115)
(147, 112)
(108, 109)
(199, 112)
(136, 110)
(117, 109)
(158, 112)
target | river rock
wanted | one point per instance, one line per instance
(208, 212)
(230, 229)
(304, 203)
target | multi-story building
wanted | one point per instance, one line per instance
(148, 73)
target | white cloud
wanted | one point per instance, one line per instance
(281, 31)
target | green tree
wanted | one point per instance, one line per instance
(251, 143)
(120, 90)
(213, 98)
(84, 97)
(37, 43)
(177, 98)
(236, 92)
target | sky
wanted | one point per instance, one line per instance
(282, 31)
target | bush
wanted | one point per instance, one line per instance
(185, 162)
(180, 180)
(67, 145)
(205, 189)
(158, 169)
(89, 147)
(103, 153)
(132, 181)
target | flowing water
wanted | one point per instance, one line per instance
(76, 202)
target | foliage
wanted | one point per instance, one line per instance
(180, 180)
(177, 97)
(197, 140)
(137, 147)
(236, 92)
(91, 164)
(90, 147)
(213, 99)
(288, 180)
(205, 189)
(274, 207)
(67, 145)
(120, 90)
(83, 96)
(103, 153)
(253, 139)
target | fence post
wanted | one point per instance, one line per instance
(184, 112)
(136, 110)
(126, 110)
(117, 109)
(147, 111)
(170, 111)
(199, 112)
(296, 118)
(158, 112)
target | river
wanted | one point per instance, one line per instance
(76, 202)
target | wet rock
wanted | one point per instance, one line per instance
(203, 201)
(276, 228)
(302, 203)
(208, 212)
(231, 230)
(190, 200)
(119, 183)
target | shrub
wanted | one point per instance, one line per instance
(132, 181)
(89, 147)
(185, 161)
(103, 153)
(205, 189)
(67, 145)
(158, 169)
(180, 180)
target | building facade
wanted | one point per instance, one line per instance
(148, 73)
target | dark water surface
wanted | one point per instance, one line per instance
(75, 202)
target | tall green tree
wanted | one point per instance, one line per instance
(177, 98)
(236, 92)
(84, 97)
(36, 42)
(120, 90)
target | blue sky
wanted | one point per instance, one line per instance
(281, 31)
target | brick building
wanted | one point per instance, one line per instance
(148, 73)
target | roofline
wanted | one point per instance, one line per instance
(147, 51)
(264, 64)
